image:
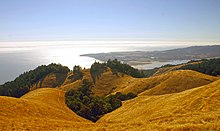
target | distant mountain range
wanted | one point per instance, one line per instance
(189, 53)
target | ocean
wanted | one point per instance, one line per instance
(18, 57)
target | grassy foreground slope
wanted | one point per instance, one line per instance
(41, 109)
(44, 109)
(197, 108)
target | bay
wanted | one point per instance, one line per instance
(18, 57)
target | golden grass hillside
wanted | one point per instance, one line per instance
(178, 81)
(171, 82)
(171, 68)
(44, 109)
(50, 80)
(194, 109)
(71, 84)
(41, 109)
(107, 83)
(197, 108)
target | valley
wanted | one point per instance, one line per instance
(174, 99)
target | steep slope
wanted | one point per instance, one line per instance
(171, 82)
(40, 109)
(107, 83)
(71, 84)
(197, 108)
(50, 80)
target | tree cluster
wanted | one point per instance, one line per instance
(96, 70)
(24, 82)
(77, 73)
(117, 66)
(84, 103)
(210, 67)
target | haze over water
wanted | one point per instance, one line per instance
(18, 57)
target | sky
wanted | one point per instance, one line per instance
(57, 20)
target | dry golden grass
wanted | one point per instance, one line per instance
(44, 109)
(177, 81)
(73, 85)
(194, 109)
(70, 84)
(171, 82)
(107, 83)
(50, 80)
(172, 68)
(40, 109)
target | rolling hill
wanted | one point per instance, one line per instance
(197, 108)
(171, 99)
(194, 109)
(41, 109)
(107, 83)
(171, 82)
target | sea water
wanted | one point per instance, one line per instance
(18, 57)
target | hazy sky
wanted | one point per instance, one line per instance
(30, 20)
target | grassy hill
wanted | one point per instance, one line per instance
(171, 82)
(206, 66)
(178, 81)
(194, 109)
(169, 68)
(197, 108)
(171, 99)
(41, 109)
(107, 83)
